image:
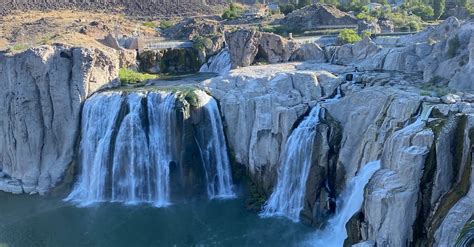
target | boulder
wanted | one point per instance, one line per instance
(307, 52)
(40, 105)
(194, 27)
(248, 47)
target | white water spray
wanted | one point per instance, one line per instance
(351, 199)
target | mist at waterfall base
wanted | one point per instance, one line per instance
(351, 200)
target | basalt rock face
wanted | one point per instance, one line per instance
(424, 184)
(444, 54)
(130, 7)
(43, 89)
(173, 61)
(259, 111)
(248, 47)
(316, 15)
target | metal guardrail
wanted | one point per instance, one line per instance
(161, 45)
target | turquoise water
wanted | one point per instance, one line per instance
(40, 221)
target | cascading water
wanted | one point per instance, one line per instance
(352, 198)
(120, 160)
(130, 139)
(213, 149)
(288, 196)
(219, 63)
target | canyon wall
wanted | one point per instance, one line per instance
(40, 103)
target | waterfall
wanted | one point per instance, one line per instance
(219, 63)
(288, 196)
(352, 198)
(129, 141)
(122, 160)
(213, 149)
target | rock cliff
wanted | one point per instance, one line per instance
(444, 54)
(40, 105)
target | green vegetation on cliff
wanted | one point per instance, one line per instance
(128, 76)
(233, 12)
(348, 36)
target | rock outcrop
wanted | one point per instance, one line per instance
(248, 47)
(316, 15)
(260, 106)
(40, 105)
(444, 54)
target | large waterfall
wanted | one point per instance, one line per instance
(351, 199)
(129, 141)
(288, 195)
(219, 63)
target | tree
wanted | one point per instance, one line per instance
(303, 3)
(439, 7)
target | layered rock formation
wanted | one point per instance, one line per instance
(260, 106)
(444, 54)
(43, 89)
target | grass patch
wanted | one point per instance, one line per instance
(430, 89)
(165, 24)
(19, 47)
(149, 24)
(128, 76)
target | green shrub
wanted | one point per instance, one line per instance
(128, 76)
(149, 24)
(366, 34)
(202, 43)
(365, 16)
(453, 46)
(422, 10)
(164, 24)
(287, 8)
(348, 36)
(414, 26)
(233, 12)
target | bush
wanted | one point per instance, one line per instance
(128, 76)
(348, 36)
(164, 24)
(364, 16)
(422, 10)
(202, 43)
(287, 8)
(149, 24)
(366, 34)
(233, 12)
(414, 26)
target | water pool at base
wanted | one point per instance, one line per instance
(41, 221)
